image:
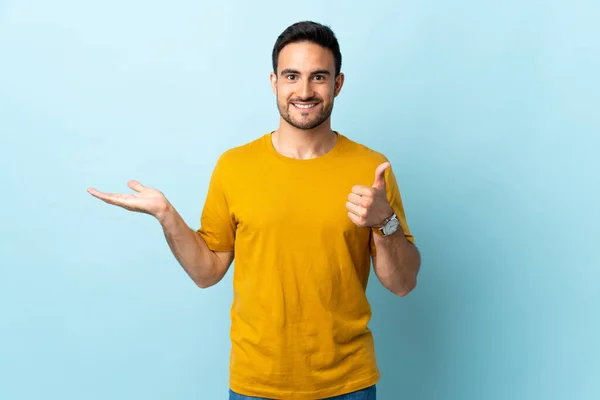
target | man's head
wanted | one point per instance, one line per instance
(306, 74)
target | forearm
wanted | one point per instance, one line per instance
(190, 250)
(397, 263)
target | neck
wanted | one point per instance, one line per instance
(303, 144)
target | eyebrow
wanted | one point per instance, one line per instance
(294, 71)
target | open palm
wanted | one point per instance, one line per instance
(146, 200)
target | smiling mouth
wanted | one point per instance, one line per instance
(302, 106)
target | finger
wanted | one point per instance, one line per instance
(97, 193)
(357, 220)
(380, 175)
(135, 185)
(356, 210)
(362, 201)
(111, 198)
(363, 190)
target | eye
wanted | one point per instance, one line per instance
(290, 77)
(319, 78)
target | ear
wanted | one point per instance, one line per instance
(273, 78)
(339, 82)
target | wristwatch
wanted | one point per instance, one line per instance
(390, 225)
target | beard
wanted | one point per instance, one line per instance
(305, 122)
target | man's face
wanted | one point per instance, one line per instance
(305, 84)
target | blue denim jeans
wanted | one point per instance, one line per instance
(364, 394)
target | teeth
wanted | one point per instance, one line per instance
(305, 105)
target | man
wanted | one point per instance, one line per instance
(304, 209)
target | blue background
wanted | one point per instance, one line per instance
(488, 112)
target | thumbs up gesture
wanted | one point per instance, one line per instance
(368, 206)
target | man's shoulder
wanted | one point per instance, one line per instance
(362, 151)
(249, 149)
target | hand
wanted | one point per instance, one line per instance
(146, 200)
(368, 206)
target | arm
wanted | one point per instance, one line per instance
(397, 262)
(204, 266)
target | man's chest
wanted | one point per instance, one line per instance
(293, 205)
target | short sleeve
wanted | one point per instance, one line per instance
(217, 224)
(395, 200)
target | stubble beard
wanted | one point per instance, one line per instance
(322, 116)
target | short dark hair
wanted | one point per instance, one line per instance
(308, 31)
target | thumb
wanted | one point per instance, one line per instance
(380, 175)
(135, 185)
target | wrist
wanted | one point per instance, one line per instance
(388, 227)
(165, 213)
(389, 214)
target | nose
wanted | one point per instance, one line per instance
(305, 91)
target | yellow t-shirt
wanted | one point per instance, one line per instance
(299, 314)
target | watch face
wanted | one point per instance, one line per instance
(391, 227)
